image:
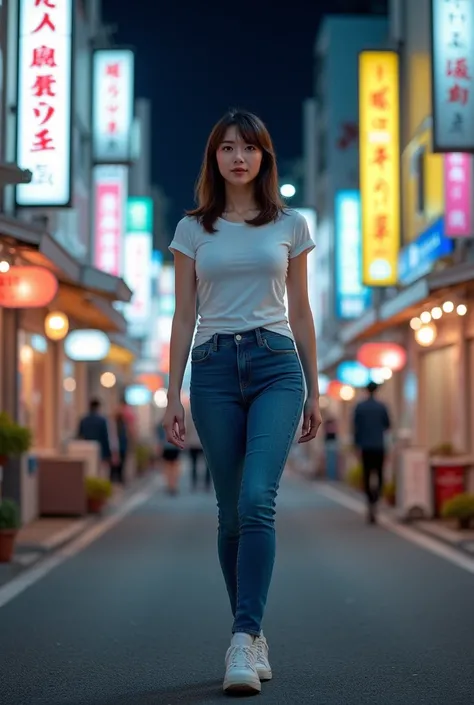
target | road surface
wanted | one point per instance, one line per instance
(356, 614)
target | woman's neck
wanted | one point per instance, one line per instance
(239, 200)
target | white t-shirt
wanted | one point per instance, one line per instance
(241, 272)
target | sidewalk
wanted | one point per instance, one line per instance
(443, 530)
(46, 535)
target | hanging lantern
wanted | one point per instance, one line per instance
(388, 355)
(27, 287)
(87, 345)
(56, 325)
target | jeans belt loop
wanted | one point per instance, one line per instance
(215, 340)
(258, 333)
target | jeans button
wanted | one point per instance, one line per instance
(238, 337)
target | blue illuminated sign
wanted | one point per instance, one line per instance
(351, 297)
(417, 259)
(353, 374)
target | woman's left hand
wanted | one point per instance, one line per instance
(312, 420)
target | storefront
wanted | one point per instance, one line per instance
(40, 386)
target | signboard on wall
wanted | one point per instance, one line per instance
(352, 298)
(113, 101)
(458, 194)
(44, 117)
(452, 45)
(110, 200)
(138, 253)
(379, 166)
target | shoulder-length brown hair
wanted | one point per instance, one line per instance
(210, 187)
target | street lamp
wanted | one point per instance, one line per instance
(287, 190)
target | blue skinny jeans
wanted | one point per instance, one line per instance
(247, 396)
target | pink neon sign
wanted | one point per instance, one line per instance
(458, 185)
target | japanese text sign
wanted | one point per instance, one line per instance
(113, 99)
(44, 101)
(138, 264)
(110, 200)
(458, 190)
(452, 38)
(379, 166)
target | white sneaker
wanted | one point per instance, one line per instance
(264, 669)
(241, 674)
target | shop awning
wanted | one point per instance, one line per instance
(37, 247)
(107, 285)
(407, 303)
(123, 350)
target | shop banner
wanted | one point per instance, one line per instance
(458, 194)
(452, 47)
(379, 166)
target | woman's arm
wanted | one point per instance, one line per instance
(302, 325)
(184, 321)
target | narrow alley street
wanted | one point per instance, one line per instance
(356, 615)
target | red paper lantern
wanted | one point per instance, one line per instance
(334, 388)
(27, 287)
(388, 355)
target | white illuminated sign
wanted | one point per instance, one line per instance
(87, 345)
(137, 274)
(453, 70)
(110, 200)
(113, 98)
(44, 101)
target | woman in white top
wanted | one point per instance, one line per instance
(235, 255)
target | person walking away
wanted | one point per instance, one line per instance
(123, 441)
(94, 427)
(236, 255)
(371, 424)
(170, 456)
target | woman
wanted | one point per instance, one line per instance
(234, 255)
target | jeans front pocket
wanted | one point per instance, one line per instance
(201, 352)
(279, 344)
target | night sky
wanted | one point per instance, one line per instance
(195, 60)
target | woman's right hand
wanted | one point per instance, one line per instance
(173, 423)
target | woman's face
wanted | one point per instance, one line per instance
(238, 161)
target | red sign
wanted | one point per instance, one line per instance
(110, 199)
(27, 287)
(449, 482)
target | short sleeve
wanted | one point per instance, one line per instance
(301, 241)
(183, 240)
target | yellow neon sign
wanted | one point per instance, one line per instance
(379, 166)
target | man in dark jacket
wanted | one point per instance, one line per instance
(371, 423)
(94, 427)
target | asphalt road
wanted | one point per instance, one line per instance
(356, 615)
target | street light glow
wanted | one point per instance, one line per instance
(287, 190)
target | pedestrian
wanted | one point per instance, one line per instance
(235, 255)
(95, 427)
(371, 424)
(170, 456)
(196, 454)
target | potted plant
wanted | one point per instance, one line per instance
(390, 493)
(14, 439)
(9, 525)
(98, 491)
(461, 508)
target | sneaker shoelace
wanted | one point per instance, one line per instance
(242, 657)
(260, 648)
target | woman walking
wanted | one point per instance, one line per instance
(236, 254)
